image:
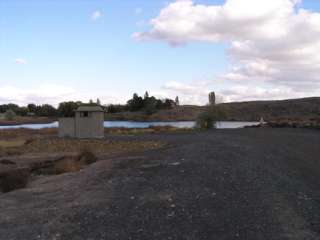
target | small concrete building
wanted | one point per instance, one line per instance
(87, 123)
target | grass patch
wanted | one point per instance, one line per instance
(76, 163)
(66, 165)
(61, 145)
(25, 133)
(152, 129)
(12, 143)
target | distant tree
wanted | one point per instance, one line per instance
(111, 109)
(47, 110)
(136, 103)
(10, 115)
(168, 103)
(32, 108)
(151, 105)
(22, 111)
(13, 107)
(3, 108)
(116, 108)
(212, 98)
(6, 107)
(66, 109)
(98, 102)
(177, 102)
(148, 103)
(91, 101)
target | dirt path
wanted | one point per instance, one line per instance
(224, 184)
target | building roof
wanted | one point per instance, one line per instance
(89, 109)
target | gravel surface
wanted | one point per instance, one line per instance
(221, 184)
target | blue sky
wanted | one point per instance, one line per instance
(54, 50)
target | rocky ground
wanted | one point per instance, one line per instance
(221, 184)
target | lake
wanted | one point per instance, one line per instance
(131, 124)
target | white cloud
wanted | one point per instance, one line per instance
(52, 94)
(194, 93)
(274, 44)
(96, 15)
(20, 61)
(40, 95)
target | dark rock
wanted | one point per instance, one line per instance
(14, 179)
(7, 162)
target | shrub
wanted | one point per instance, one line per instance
(74, 164)
(14, 179)
(65, 165)
(87, 157)
(209, 118)
(10, 115)
(29, 141)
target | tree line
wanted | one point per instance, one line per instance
(149, 104)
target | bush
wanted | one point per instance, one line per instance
(74, 164)
(209, 118)
(10, 115)
(87, 157)
(14, 179)
(66, 165)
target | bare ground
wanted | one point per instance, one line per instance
(222, 184)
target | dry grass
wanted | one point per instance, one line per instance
(67, 165)
(44, 141)
(57, 145)
(12, 143)
(24, 133)
(27, 120)
(74, 164)
(153, 129)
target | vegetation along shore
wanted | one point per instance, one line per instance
(152, 109)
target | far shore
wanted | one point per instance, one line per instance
(27, 120)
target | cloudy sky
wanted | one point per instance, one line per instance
(57, 50)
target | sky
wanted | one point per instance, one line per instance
(59, 50)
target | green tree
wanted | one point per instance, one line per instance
(209, 118)
(67, 109)
(32, 108)
(136, 103)
(22, 111)
(47, 110)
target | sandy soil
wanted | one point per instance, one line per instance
(222, 184)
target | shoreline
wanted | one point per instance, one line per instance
(22, 121)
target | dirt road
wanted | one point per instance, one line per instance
(222, 184)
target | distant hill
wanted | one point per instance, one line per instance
(304, 108)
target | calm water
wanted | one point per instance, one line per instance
(129, 124)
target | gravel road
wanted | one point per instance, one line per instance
(221, 184)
